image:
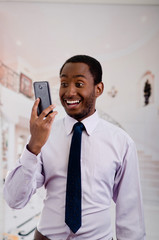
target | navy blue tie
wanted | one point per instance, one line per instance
(73, 188)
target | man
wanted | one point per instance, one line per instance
(109, 165)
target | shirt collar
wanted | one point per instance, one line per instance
(89, 123)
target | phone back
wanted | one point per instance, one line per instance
(42, 91)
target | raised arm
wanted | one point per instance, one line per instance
(21, 183)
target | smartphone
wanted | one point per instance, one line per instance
(42, 91)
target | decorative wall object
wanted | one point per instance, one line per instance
(113, 92)
(147, 88)
(26, 85)
(9, 78)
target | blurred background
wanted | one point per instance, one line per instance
(36, 37)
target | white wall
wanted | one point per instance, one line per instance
(125, 73)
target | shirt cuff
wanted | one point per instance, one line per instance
(29, 160)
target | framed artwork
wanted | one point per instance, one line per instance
(26, 85)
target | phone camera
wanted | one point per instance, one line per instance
(40, 86)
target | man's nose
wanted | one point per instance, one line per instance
(71, 90)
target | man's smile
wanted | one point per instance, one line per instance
(72, 102)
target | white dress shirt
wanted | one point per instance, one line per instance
(109, 167)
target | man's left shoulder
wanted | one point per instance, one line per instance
(115, 130)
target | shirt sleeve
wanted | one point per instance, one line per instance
(128, 198)
(21, 183)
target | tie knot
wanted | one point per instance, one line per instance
(78, 126)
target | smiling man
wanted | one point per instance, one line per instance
(107, 168)
(78, 91)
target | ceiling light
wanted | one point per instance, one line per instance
(18, 43)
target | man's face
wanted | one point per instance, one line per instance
(77, 90)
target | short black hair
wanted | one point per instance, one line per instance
(93, 64)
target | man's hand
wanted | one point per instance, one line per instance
(40, 127)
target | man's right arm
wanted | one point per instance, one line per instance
(21, 183)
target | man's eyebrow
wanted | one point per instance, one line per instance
(74, 76)
(79, 75)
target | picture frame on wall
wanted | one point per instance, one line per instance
(26, 85)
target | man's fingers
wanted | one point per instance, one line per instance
(46, 111)
(50, 118)
(34, 108)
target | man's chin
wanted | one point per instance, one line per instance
(77, 116)
(74, 114)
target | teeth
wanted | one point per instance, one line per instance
(72, 102)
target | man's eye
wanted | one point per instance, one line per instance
(64, 84)
(79, 84)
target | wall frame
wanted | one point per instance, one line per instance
(25, 85)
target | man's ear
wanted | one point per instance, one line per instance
(99, 89)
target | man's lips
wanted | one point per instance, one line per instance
(72, 103)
